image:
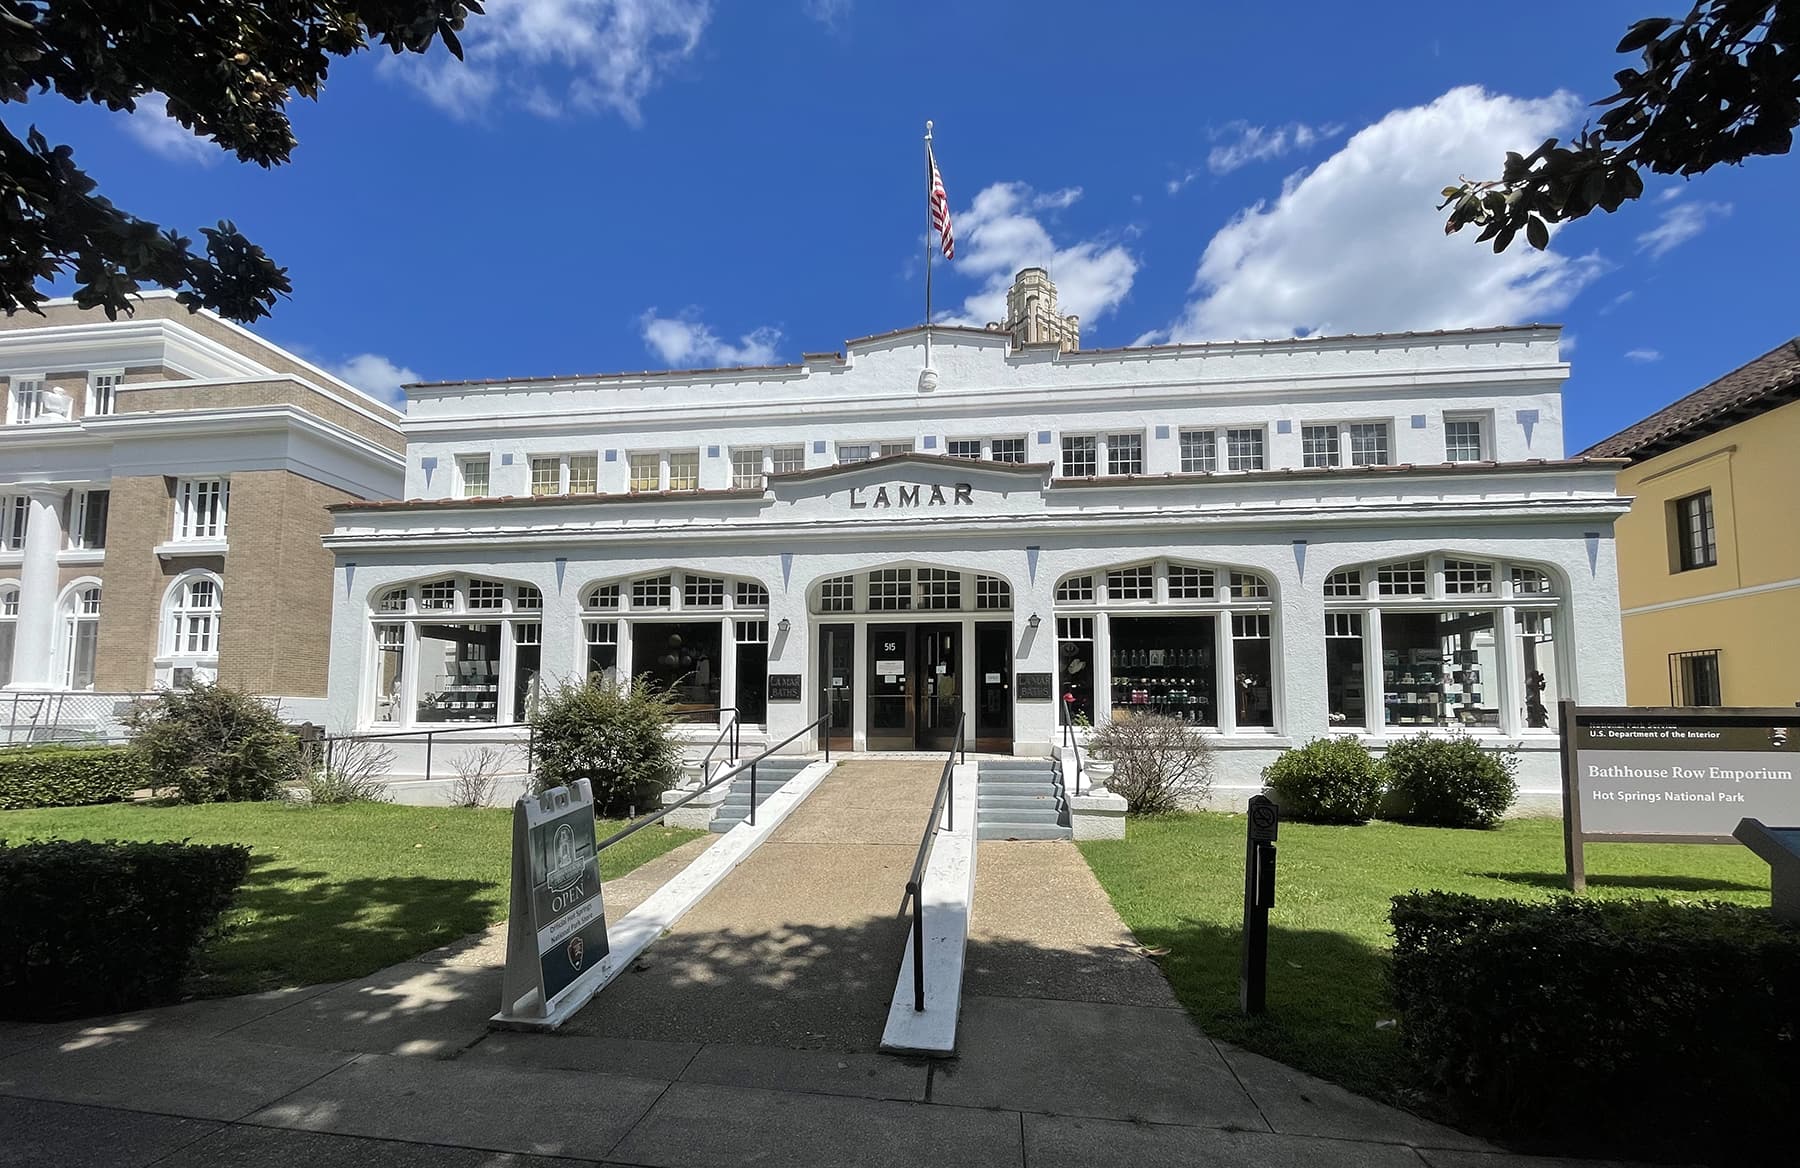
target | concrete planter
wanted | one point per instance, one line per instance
(1098, 773)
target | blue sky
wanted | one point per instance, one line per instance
(632, 184)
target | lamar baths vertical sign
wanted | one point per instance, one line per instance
(1675, 775)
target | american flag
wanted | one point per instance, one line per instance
(940, 210)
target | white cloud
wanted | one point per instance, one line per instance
(374, 374)
(553, 57)
(1000, 233)
(830, 13)
(1259, 143)
(1357, 244)
(151, 125)
(1643, 355)
(1680, 223)
(683, 341)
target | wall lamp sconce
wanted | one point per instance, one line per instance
(1034, 622)
(785, 625)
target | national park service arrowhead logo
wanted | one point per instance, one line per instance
(577, 951)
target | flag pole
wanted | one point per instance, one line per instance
(928, 226)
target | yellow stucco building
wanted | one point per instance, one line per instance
(1709, 557)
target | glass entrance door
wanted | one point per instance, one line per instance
(939, 649)
(892, 684)
(993, 693)
(837, 676)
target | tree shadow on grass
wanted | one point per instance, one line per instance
(290, 926)
(1559, 881)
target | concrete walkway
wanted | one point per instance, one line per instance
(744, 1039)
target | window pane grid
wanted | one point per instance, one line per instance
(1009, 450)
(1186, 583)
(602, 632)
(652, 592)
(102, 394)
(747, 469)
(1125, 454)
(890, 590)
(963, 447)
(991, 592)
(1462, 440)
(438, 594)
(752, 595)
(1075, 628)
(1318, 446)
(546, 476)
(1079, 457)
(1243, 450)
(1464, 577)
(1369, 444)
(1530, 582)
(1248, 586)
(752, 632)
(474, 477)
(1199, 452)
(1137, 583)
(684, 470)
(891, 449)
(838, 594)
(528, 599)
(1343, 624)
(1345, 583)
(646, 472)
(787, 459)
(1404, 579)
(602, 596)
(1252, 626)
(1076, 589)
(1699, 539)
(584, 474)
(486, 594)
(703, 591)
(853, 452)
(939, 589)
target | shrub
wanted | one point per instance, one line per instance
(1329, 780)
(68, 776)
(88, 928)
(619, 737)
(1159, 764)
(214, 744)
(477, 771)
(1619, 1027)
(1450, 782)
(350, 772)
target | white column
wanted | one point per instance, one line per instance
(34, 663)
(970, 679)
(728, 688)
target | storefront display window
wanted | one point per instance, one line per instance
(1075, 665)
(457, 677)
(682, 658)
(1166, 665)
(1346, 689)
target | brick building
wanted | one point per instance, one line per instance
(164, 480)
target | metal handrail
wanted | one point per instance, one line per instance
(728, 730)
(729, 773)
(1072, 739)
(430, 733)
(943, 805)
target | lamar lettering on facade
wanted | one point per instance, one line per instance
(963, 494)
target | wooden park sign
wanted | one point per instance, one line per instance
(1684, 774)
(556, 926)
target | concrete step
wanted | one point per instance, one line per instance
(1044, 799)
(1022, 831)
(1019, 815)
(998, 782)
(996, 766)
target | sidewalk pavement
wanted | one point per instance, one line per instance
(1071, 1050)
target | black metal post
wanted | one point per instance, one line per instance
(1259, 894)
(428, 756)
(918, 938)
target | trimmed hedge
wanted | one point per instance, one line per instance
(1449, 782)
(92, 928)
(69, 776)
(1642, 1028)
(1329, 780)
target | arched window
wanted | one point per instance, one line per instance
(1189, 641)
(80, 634)
(920, 589)
(475, 646)
(194, 618)
(1442, 640)
(9, 629)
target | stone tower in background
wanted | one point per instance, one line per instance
(1031, 315)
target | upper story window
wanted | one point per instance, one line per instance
(200, 508)
(15, 514)
(1696, 536)
(751, 466)
(1327, 444)
(1464, 440)
(1199, 451)
(667, 470)
(1244, 449)
(557, 474)
(26, 401)
(1080, 456)
(684, 470)
(963, 447)
(102, 396)
(1006, 449)
(546, 475)
(854, 452)
(1319, 446)
(890, 449)
(1371, 444)
(81, 637)
(193, 618)
(1124, 454)
(472, 473)
(87, 520)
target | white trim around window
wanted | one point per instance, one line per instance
(200, 509)
(103, 392)
(191, 626)
(1368, 442)
(25, 397)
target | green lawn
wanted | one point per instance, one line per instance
(1178, 882)
(335, 892)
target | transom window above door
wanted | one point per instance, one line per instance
(911, 590)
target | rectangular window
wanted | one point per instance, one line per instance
(838, 594)
(1187, 583)
(1199, 451)
(103, 391)
(200, 508)
(1248, 586)
(890, 590)
(603, 596)
(1369, 445)
(1462, 440)
(1253, 661)
(1075, 666)
(1537, 650)
(27, 400)
(457, 674)
(682, 659)
(854, 452)
(1694, 679)
(1346, 694)
(390, 672)
(1009, 450)
(1167, 666)
(1080, 457)
(83, 649)
(584, 474)
(1137, 583)
(702, 591)
(602, 650)
(963, 447)
(646, 472)
(991, 592)
(527, 599)
(653, 592)
(528, 665)
(87, 520)
(1404, 579)
(747, 469)
(890, 449)
(1468, 577)
(752, 595)
(1439, 669)
(1076, 590)
(437, 595)
(1318, 446)
(684, 470)
(14, 516)
(487, 594)
(1344, 583)
(1697, 542)
(1124, 454)
(753, 671)
(787, 459)
(940, 589)
(1244, 449)
(546, 475)
(473, 470)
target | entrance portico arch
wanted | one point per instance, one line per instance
(906, 648)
